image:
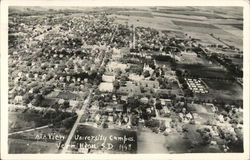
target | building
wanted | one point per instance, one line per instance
(18, 99)
(112, 66)
(108, 78)
(147, 68)
(106, 87)
(73, 103)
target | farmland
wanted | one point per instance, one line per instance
(197, 23)
(192, 24)
(224, 89)
(205, 71)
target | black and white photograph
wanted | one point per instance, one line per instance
(125, 80)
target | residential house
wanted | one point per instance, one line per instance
(18, 99)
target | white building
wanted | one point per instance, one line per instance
(108, 78)
(106, 87)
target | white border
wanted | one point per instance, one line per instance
(194, 156)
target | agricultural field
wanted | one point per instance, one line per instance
(135, 13)
(198, 23)
(224, 89)
(192, 24)
(205, 71)
(237, 61)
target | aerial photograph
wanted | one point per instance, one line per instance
(125, 80)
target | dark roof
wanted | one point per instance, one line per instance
(63, 95)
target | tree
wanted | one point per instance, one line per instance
(37, 100)
(27, 98)
(146, 74)
(116, 84)
(124, 77)
(65, 105)
(105, 125)
(118, 72)
(133, 102)
(158, 104)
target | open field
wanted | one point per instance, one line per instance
(179, 17)
(205, 71)
(17, 146)
(199, 23)
(192, 24)
(160, 23)
(22, 121)
(223, 90)
(190, 13)
(135, 13)
(237, 61)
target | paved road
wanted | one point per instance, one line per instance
(79, 113)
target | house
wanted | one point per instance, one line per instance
(165, 101)
(144, 100)
(118, 108)
(97, 117)
(116, 57)
(210, 107)
(110, 118)
(166, 110)
(109, 108)
(124, 98)
(106, 87)
(18, 99)
(61, 101)
(73, 103)
(147, 68)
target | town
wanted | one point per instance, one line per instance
(88, 72)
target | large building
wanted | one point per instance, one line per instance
(106, 87)
(108, 78)
(112, 66)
